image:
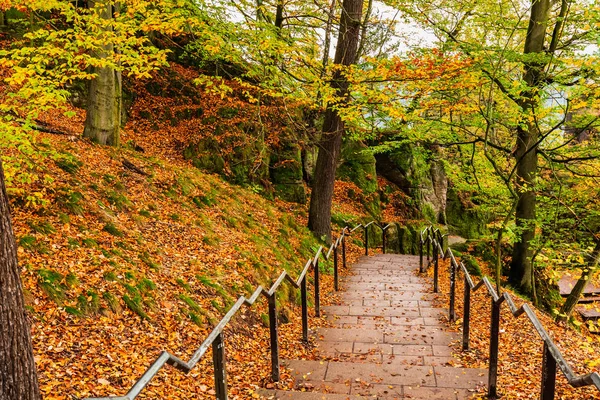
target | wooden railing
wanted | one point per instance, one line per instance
(215, 338)
(432, 242)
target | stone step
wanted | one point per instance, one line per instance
(280, 394)
(394, 311)
(380, 322)
(371, 379)
(383, 393)
(386, 295)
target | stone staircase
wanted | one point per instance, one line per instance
(386, 341)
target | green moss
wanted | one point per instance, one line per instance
(184, 284)
(71, 280)
(69, 163)
(145, 286)
(110, 276)
(28, 242)
(73, 243)
(112, 301)
(145, 213)
(118, 200)
(147, 259)
(471, 264)
(64, 218)
(204, 201)
(42, 227)
(112, 229)
(190, 302)
(211, 240)
(51, 283)
(89, 242)
(135, 304)
(358, 166)
(89, 303)
(196, 319)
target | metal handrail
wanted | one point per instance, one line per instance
(552, 356)
(215, 338)
(366, 234)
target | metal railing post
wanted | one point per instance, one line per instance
(218, 347)
(466, 315)
(494, 339)
(383, 235)
(274, 339)
(366, 241)
(421, 269)
(428, 248)
(335, 269)
(344, 251)
(548, 374)
(451, 310)
(317, 289)
(304, 301)
(436, 262)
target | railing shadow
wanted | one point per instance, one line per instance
(432, 241)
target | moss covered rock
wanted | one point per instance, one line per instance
(464, 218)
(358, 167)
(286, 173)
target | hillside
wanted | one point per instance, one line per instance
(131, 253)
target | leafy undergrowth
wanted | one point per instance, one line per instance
(131, 254)
(520, 354)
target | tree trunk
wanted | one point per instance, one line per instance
(18, 378)
(577, 291)
(319, 218)
(521, 272)
(279, 15)
(103, 119)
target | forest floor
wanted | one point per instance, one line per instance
(121, 262)
(520, 354)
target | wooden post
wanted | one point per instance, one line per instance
(274, 339)
(494, 339)
(451, 310)
(548, 374)
(218, 347)
(436, 261)
(421, 269)
(466, 315)
(383, 234)
(317, 289)
(335, 269)
(366, 240)
(344, 251)
(304, 302)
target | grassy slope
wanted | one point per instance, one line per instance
(119, 265)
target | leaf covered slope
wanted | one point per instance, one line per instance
(123, 261)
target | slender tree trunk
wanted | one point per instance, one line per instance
(18, 378)
(279, 15)
(521, 269)
(577, 291)
(319, 219)
(103, 119)
(363, 31)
